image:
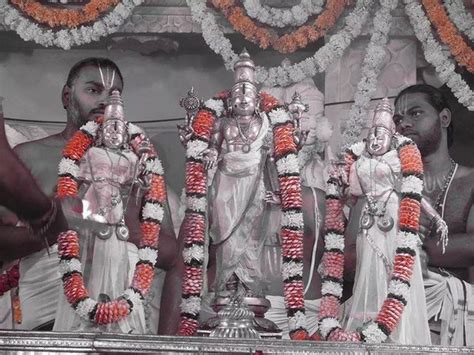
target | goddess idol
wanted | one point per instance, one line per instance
(97, 259)
(388, 300)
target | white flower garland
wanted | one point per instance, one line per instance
(29, 30)
(371, 66)
(461, 17)
(153, 210)
(435, 55)
(294, 16)
(283, 75)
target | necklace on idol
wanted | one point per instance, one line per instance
(246, 139)
(121, 229)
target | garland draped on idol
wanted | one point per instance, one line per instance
(195, 220)
(151, 217)
(379, 329)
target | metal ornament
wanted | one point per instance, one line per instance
(105, 232)
(122, 232)
(385, 223)
(246, 148)
(367, 221)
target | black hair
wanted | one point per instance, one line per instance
(91, 61)
(436, 98)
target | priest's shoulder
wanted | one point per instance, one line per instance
(40, 148)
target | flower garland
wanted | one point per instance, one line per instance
(9, 279)
(283, 75)
(150, 224)
(29, 30)
(378, 330)
(371, 66)
(294, 16)
(449, 34)
(292, 225)
(461, 17)
(195, 219)
(287, 43)
(436, 57)
(55, 17)
(196, 213)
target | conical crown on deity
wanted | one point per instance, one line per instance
(383, 115)
(114, 108)
(244, 69)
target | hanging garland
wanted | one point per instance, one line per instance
(378, 330)
(196, 213)
(287, 43)
(371, 67)
(150, 224)
(435, 55)
(461, 17)
(55, 17)
(29, 30)
(294, 16)
(9, 279)
(283, 75)
(449, 35)
(195, 219)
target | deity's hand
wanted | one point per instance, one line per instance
(300, 138)
(209, 156)
(273, 197)
(185, 133)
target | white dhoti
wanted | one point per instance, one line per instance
(236, 215)
(39, 285)
(450, 305)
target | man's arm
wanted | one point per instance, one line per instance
(459, 251)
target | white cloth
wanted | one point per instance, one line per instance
(39, 285)
(6, 315)
(450, 309)
(107, 265)
(236, 214)
(377, 177)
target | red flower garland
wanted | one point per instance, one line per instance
(285, 153)
(333, 257)
(68, 241)
(9, 279)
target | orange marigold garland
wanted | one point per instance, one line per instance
(68, 242)
(376, 331)
(287, 43)
(449, 34)
(56, 17)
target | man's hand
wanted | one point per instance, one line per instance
(209, 156)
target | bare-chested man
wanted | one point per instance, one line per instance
(84, 97)
(422, 114)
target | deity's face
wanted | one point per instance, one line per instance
(244, 100)
(85, 100)
(114, 134)
(379, 140)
